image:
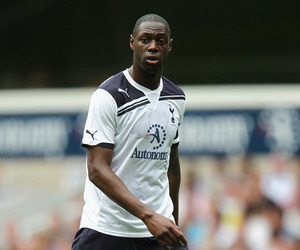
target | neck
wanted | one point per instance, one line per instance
(150, 81)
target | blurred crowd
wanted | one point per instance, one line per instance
(242, 203)
(58, 237)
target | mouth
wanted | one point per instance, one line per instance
(152, 59)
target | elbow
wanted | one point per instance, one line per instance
(98, 164)
(93, 173)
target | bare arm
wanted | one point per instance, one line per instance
(100, 173)
(174, 176)
(98, 162)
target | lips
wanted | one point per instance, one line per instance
(152, 59)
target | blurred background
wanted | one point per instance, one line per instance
(63, 43)
(239, 65)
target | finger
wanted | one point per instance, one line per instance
(163, 244)
(183, 240)
(172, 240)
(165, 240)
(178, 238)
(175, 243)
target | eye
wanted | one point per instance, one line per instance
(162, 41)
(144, 40)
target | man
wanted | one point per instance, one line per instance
(131, 136)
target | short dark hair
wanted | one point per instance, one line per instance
(150, 18)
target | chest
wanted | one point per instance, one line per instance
(155, 124)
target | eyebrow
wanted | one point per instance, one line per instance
(151, 34)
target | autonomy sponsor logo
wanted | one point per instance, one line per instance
(150, 155)
(157, 137)
(158, 134)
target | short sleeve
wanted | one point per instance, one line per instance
(100, 127)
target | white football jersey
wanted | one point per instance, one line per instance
(140, 125)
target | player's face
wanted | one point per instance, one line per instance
(151, 46)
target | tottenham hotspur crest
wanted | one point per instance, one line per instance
(171, 109)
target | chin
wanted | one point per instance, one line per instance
(153, 70)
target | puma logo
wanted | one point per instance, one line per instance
(92, 134)
(123, 91)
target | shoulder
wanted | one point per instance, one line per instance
(120, 89)
(114, 82)
(114, 85)
(105, 94)
(102, 100)
(171, 89)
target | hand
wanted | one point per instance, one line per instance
(166, 232)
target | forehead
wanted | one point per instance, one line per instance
(152, 28)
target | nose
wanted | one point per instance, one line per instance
(152, 46)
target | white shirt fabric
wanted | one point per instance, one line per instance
(141, 126)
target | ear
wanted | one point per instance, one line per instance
(131, 42)
(170, 45)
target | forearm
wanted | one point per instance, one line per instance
(174, 175)
(174, 184)
(112, 186)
